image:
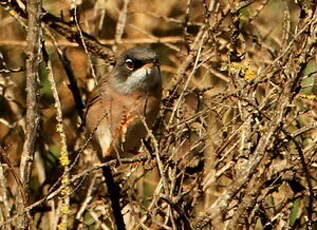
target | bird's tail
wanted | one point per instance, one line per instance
(114, 193)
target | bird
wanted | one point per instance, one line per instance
(115, 109)
(125, 101)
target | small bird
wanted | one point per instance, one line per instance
(118, 109)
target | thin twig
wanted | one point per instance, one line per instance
(122, 20)
(64, 155)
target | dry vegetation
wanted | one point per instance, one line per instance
(234, 146)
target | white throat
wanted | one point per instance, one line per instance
(139, 79)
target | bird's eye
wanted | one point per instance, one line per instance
(129, 63)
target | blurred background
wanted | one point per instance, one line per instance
(227, 67)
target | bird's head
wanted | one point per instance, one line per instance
(136, 69)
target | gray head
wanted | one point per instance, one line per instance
(136, 69)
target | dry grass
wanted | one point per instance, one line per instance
(234, 146)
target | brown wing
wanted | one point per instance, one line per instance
(97, 92)
(98, 116)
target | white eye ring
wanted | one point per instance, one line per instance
(129, 63)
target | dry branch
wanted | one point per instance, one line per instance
(32, 112)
